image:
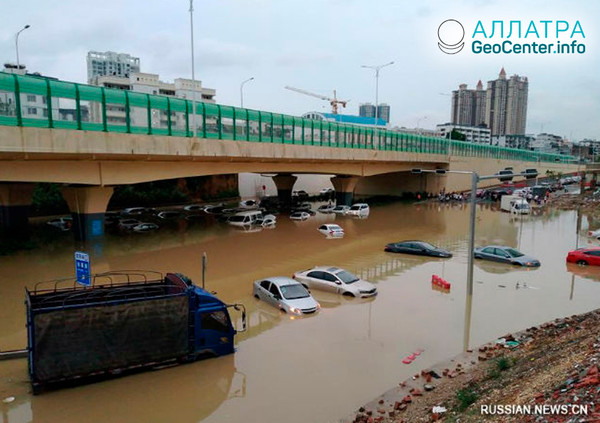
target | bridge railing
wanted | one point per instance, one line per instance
(32, 101)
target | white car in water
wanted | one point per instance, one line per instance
(334, 279)
(268, 221)
(62, 223)
(341, 209)
(248, 204)
(326, 208)
(331, 229)
(358, 209)
(145, 227)
(286, 294)
(300, 215)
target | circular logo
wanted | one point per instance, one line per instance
(451, 34)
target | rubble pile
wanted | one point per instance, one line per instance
(555, 364)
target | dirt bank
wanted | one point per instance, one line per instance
(553, 364)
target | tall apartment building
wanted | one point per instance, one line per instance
(369, 110)
(468, 106)
(502, 107)
(110, 63)
(383, 112)
(506, 104)
(366, 110)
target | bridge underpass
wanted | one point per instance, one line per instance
(91, 155)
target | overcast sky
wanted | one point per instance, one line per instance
(318, 45)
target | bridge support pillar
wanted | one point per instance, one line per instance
(88, 205)
(285, 184)
(344, 189)
(15, 199)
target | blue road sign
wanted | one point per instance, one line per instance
(82, 268)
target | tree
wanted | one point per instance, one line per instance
(456, 135)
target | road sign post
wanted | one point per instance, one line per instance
(82, 268)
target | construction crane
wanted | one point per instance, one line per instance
(333, 101)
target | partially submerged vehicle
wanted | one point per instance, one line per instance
(246, 218)
(286, 294)
(331, 229)
(123, 322)
(514, 204)
(326, 208)
(334, 279)
(358, 209)
(299, 215)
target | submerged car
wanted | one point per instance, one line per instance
(169, 214)
(286, 294)
(128, 224)
(358, 209)
(267, 221)
(331, 229)
(62, 223)
(334, 279)
(300, 215)
(245, 218)
(504, 254)
(135, 211)
(420, 248)
(585, 256)
(248, 204)
(340, 209)
(145, 227)
(326, 208)
(194, 208)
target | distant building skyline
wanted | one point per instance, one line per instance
(368, 110)
(501, 107)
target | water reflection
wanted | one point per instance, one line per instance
(591, 273)
(502, 268)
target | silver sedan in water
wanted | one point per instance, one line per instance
(505, 254)
(286, 294)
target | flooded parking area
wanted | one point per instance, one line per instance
(321, 367)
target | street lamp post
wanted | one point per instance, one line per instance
(17, 45)
(242, 91)
(475, 178)
(194, 129)
(377, 69)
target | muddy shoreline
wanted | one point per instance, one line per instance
(550, 365)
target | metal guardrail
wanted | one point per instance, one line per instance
(31, 101)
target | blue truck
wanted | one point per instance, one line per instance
(124, 322)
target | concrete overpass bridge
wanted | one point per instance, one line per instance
(93, 138)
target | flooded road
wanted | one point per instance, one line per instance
(319, 368)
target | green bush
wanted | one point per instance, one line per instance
(465, 397)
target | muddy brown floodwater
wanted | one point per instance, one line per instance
(320, 368)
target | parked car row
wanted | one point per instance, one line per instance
(293, 296)
(497, 253)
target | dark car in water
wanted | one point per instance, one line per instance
(420, 248)
(504, 254)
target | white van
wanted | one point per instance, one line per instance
(246, 218)
(514, 204)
